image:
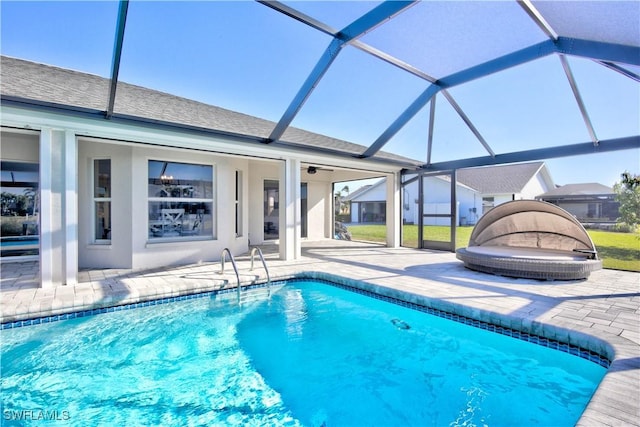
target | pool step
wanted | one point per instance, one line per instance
(247, 296)
(251, 295)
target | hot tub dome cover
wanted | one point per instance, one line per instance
(531, 224)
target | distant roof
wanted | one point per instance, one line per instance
(587, 189)
(505, 179)
(360, 191)
(38, 85)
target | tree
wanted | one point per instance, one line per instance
(628, 195)
(32, 198)
(340, 204)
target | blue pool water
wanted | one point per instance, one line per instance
(9, 242)
(20, 245)
(313, 355)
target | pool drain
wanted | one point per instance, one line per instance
(400, 324)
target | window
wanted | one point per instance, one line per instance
(303, 209)
(487, 204)
(102, 200)
(180, 201)
(20, 217)
(271, 209)
(238, 203)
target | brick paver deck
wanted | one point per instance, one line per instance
(601, 314)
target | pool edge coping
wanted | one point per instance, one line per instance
(603, 407)
(571, 337)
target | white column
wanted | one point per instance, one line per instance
(330, 214)
(46, 214)
(71, 208)
(290, 218)
(54, 235)
(393, 210)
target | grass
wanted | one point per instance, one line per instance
(619, 251)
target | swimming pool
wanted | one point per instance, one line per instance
(19, 245)
(313, 355)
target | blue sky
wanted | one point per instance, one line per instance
(246, 57)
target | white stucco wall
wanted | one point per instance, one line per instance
(355, 211)
(438, 195)
(258, 172)
(468, 200)
(20, 147)
(318, 201)
(376, 193)
(580, 210)
(124, 219)
(130, 246)
(318, 205)
(534, 187)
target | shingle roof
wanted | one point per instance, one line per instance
(504, 179)
(586, 189)
(360, 191)
(67, 89)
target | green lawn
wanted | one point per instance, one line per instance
(620, 251)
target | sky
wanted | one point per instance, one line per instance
(246, 57)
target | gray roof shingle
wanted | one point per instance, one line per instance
(504, 179)
(67, 89)
(357, 193)
(585, 189)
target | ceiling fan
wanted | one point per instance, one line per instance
(311, 170)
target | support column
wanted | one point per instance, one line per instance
(71, 208)
(46, 208)
(290, 218)
(394, 218)
(58, 208)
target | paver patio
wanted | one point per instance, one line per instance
(601, 313)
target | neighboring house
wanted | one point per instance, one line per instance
(437, 202)
(368, 203)
(589, 202)
(478, 190)
(500, 184)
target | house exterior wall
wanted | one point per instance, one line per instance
(437, 200)
(579, 210)
(318, 201)
(536, 186)
(66, 146)
(469, 206)
(370, 206)
(21, 220)
(117, 254)
(595, 210)
(21, 147)
(498, 199)
(130, 246)
(318, 206)
(258, 173)
(376, 193)
(355, 212)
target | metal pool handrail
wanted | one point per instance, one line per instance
(264, 264)
(235, 267)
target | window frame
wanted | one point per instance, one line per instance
(95, 200)
(238, 203)
(182, 200)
